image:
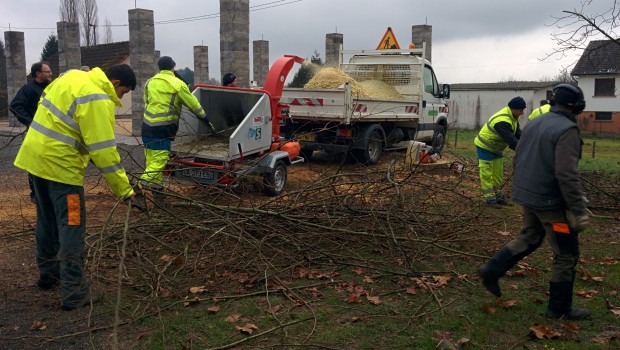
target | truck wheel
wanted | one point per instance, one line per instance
(439, 138)
(307, 153)
(275, 182)
(372, 146)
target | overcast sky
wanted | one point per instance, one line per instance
(473, 40)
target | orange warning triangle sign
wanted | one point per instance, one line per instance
(388, 41)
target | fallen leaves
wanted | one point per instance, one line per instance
(247, 329)
(38, 326)
(233, 318)
(586, 293)
(541, 332)
(614, 309)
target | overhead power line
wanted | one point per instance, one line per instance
(267, 5)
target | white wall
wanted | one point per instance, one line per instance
(471, 109)
(599, 104)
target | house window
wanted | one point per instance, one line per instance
(605, 87)
(599, 116)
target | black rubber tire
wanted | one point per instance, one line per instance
(275, 182)
(439, 138)
(306, 153)
(372, 149)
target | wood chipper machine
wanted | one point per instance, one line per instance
(245, 139)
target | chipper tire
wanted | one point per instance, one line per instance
(275, 182)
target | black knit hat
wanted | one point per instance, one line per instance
(166, 63)
(228, 78)
(517, 103)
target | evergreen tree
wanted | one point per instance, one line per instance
(307, 71)
(187, 75)
(50, 48)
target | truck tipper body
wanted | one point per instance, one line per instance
(336, 120)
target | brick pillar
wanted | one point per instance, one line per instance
(261, 61)
(69, 54)
(235, 39)
(143, 60)
(423, 33)
(201, 64)
(333, 44)
(15, 52)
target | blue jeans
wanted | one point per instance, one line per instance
(61, 227)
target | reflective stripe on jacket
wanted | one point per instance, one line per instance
(164, 96)
(539, 111)
(488, 138)
(73, 124)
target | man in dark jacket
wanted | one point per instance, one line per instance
(546, 183)
(26, 101)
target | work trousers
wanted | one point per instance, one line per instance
(491, 167)
(156, 161)
(61, 227)
(564, 242)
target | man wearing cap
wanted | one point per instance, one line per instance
(229, 80)
(500, 131)
(164, 96)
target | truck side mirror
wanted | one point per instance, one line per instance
(445, 91)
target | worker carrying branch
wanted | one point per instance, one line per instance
(501, 131)
(164, 96)
(73, 124)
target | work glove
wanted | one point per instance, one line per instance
(577, 222)
(210, 126)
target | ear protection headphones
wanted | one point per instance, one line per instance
(578, 106)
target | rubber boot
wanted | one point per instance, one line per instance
(495, 268)
(561, 300)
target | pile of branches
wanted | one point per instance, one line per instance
(393, 220)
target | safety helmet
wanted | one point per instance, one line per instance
(569, 95)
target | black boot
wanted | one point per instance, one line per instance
(495, 268)
(561, 300)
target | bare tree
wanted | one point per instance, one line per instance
(90, 22)
(108, 32)
(69, 10)
(577, 27)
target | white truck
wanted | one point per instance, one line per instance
(335, 120)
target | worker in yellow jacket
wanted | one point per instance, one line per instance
(73, 125)
(501, 131)
(164, 96)
(544, 108)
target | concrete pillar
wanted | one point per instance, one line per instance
(333, 44)
(423, 33)
(4, 103)
(69, 54)
(261, 61)
(235, 39)
(201, 64)
(15, 52)
(142, 58)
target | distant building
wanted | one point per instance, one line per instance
(471, 105)
(598, 73)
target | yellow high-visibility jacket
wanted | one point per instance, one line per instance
(73, 124)
(539, 111)
(164, 96)
(488, 138)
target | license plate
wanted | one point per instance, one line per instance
(199, 173)
(306, 137)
